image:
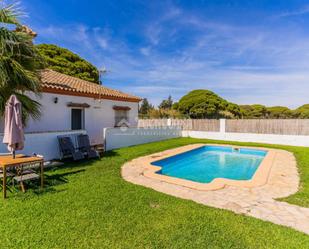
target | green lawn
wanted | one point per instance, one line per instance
(89, 205)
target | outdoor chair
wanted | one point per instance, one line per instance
(17, 174)
(85, 147)
(25, 173)
(67, 148)
(9, 178)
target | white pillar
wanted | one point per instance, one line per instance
(169, 122)
(222, 125)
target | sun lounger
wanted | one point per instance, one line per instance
(67, 148)
(84, 146)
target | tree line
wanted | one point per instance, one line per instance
(199, 104)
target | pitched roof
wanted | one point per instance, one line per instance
(54, 82)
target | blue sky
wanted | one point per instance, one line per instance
(246, 51)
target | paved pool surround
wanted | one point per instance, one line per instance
(276, 177)
(259, 178)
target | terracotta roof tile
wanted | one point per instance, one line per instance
(53, 81)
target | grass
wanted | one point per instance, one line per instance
(89, 205)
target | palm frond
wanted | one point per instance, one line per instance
(16, 43)
(30, 107)
(15, 76)
(4, 77)
(9, 14)
(19, 64)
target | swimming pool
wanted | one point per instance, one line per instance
(206, 163)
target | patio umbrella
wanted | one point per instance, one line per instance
(13, 126)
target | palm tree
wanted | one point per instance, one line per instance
(19, 63)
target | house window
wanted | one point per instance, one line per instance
(77, 119)
(121, 118)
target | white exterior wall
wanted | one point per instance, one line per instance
(45, 144)
(57, 117)
(250, 137)
(119, 137)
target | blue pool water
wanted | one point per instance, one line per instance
(209, 162)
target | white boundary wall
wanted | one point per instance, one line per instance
(294, 140)
(46, 143)
(123, 137)
(42, 143)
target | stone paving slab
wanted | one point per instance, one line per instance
(258, 202)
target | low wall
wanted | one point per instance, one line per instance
(46, 143)
(43, 143)
(295, 140)
(122, 137)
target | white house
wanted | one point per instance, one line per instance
(70, 104)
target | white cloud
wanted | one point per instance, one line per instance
(164, 76)
(302, 11)
(102, 42)
(145, 51)
(245, 64)
(65, 34)
(155, 30)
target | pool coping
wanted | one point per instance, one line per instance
(259, 202)
(259, 178)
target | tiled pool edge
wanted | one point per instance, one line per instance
(260, 177)
(258, 202)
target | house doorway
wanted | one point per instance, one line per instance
(77, 119)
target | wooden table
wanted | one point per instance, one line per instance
(8, 162)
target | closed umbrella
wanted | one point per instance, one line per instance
(13, 126)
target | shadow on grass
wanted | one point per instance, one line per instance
(54, 176)
(110, 153)
(69, 164)
(59, 179)
(50, 182)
